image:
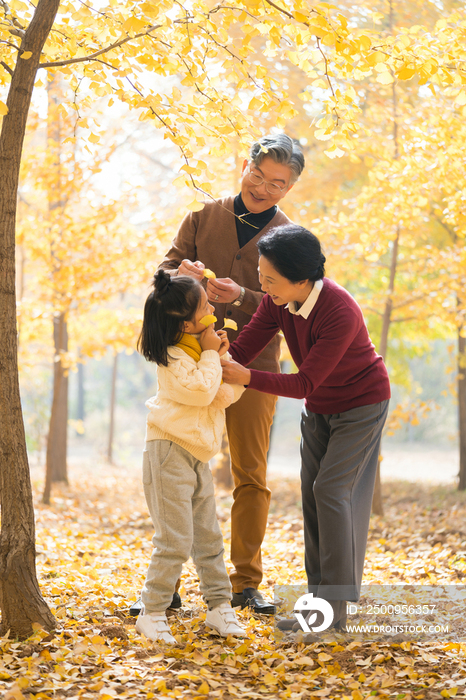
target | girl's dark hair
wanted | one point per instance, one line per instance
(173, 301)
(294, 252)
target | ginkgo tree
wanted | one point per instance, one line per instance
(129, 52)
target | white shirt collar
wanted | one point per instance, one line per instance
(306, 308)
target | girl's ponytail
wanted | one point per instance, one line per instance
(173, 301)
(161, 281)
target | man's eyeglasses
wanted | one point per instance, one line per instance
(271, 187)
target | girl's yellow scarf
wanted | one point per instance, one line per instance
(191, 346)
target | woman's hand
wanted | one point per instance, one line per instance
(223, 290)
(209, 340)
(234, 373)
(192, 269)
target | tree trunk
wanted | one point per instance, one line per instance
(56, 467)
(21, 601)
(222, 472)
(377, 501)
(81, 410)
(462, 406)
(111, 430)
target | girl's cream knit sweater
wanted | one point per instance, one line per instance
(189, 407)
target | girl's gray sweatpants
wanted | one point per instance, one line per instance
(179, 492)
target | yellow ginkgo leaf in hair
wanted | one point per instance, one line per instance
(209, 274)
(229, 323)
(207, 320)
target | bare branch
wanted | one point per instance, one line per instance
(6, 67)
(402, 320)
(9, 43)
(328, 77)
(410, 301)
(17, 32)
(373, 311)
(93, 9)
(94, 55)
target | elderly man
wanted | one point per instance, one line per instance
(222, 237)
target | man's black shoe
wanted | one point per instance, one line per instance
(136, 607)
(251, 598)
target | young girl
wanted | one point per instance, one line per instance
(184, 430)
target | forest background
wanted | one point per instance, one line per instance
(127, 131)
(98, 207)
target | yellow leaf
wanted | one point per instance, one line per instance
(300, 17)
(3, 109)
(208, 320)
(405, 73)
(203, 688)
(179, 181)
(14, 693)
(377, 57)
(334, 152)
(26, 54)
(461, 98)
(209, 274)
(322, 135)
(255, 103)
(188, 168)
(329, 39)
(133, 24)
(195, 205)
(365, 42)
(94, 138)
(229, 323)
(385, 78)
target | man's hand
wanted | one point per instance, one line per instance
(223, 290)
(192, 269)
(234, 373)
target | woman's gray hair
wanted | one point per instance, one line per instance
(282, 150)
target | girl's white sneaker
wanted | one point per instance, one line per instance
(154, 626)
(223, 620)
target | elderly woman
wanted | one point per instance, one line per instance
(346, 390)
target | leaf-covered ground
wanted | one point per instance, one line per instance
(93, 550)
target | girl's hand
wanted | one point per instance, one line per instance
(234, 373)
(225, 342)
(209, 340)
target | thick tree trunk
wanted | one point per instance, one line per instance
(111, 429)
(56, 466)
(20, 599)
(462, 406)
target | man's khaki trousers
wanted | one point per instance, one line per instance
(248, 425)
